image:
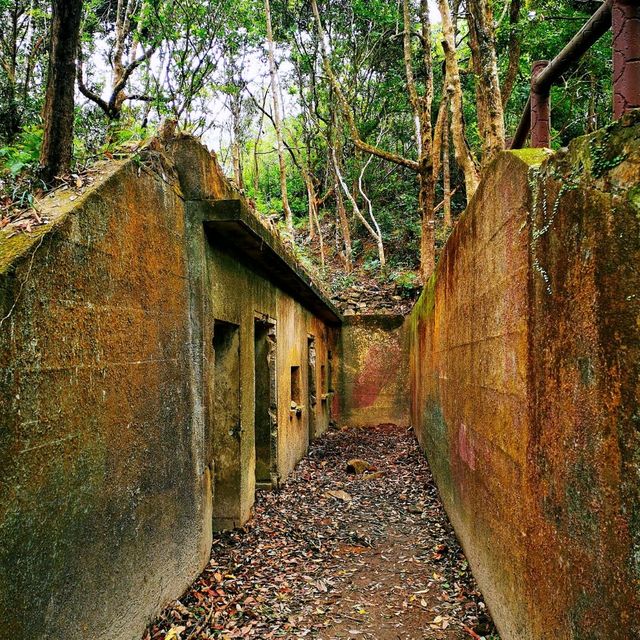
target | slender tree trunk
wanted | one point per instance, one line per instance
(441, 156)
(463, 154)
(376, 226)
(482, 97)
(424, 136)
(446, 173)
(288, 216)
(341, 210)
(123, 68)
(312, 197)
(344, 229)
(236, 156)
(346, 108)
(256, 144)
(514, 53)
(313, 209)
(314, 221)
(57, 143)
(437, 134)
(422, 112)
(356, 209)
(10, 120)
(592, 118)
(486, 62)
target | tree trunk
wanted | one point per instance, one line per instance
(314, 221)
(421, 105)
(288, 216)
(463, 154)
(58, 113)
(592, 118)
(256, 144)
(341, 210)
(346, 108)
(128, 15)
(376, 226)
(437, 134)
(344, 228)
(446, 173)
(424, 136)
(356, 209)
(236, 117)
(514, 53)
(482, 97)
(9, 113)
(486, 63)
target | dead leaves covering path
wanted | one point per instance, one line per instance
(311, 564)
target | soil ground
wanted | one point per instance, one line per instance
(339, 555)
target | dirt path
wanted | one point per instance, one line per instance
(337, 555)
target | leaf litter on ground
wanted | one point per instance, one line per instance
(384, 563)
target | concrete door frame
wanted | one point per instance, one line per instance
(312, 385)
(272, 337)
(226, 424)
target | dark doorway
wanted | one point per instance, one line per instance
(312, 386)
(266, 424)
(226, 425)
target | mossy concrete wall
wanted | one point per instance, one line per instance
(373, 376)
(524, 380)
(101, 509)
(105, 427)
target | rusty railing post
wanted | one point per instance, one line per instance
(540, 109)
(625, 22)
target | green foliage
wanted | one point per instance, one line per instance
(407, 283)
(24, 153)
(206, 56)
(583, 102)
(341, 282)
(22, 64)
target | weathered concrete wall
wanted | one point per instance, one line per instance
(101, 494)
(373, 376)
(107, 396)
(524, 378)
(239, 296)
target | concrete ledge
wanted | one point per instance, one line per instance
(233, 228)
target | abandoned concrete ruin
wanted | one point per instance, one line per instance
(162, 355)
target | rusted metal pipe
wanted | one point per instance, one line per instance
(591, 32)
(540, 109)
(626, 56)
(522, 132)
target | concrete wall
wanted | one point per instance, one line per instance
(373, 376)
(239, 296)
(105, 413)
(524, 380)
(101, 495)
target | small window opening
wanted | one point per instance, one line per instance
(330, 377)
(296, 394)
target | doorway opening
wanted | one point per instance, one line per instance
(311, 385)
(227, 426)
(266, 409)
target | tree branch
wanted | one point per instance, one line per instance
(85, 91)
(348, 113)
